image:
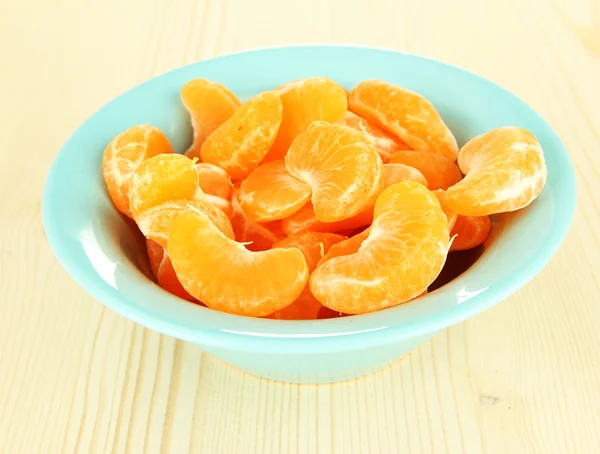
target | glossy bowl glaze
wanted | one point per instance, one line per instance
(103, 252)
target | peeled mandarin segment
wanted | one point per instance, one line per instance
(404, 251)
(155, 255)
(241, 143)
(160, 179)
(470, 231)
(397, 173)
(406, 114)
(213, 180)
(305, 220)
(222, 204)
(383, 142)
(168, 280)
(155, 223)
(163, 270)
(341, 166)
(122, 157)
(255, 236)
(313, 246)
(226, 276)
(439, 171)
(346, 247)
(505, 171)
(305, 307)
(271, 193)
(450, 215)
(305, 101)
(210, 104)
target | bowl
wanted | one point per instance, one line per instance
(104, 253)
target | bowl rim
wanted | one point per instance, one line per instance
(347, 333)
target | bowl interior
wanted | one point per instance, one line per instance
(105, 255)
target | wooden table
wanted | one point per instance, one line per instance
(523, 377)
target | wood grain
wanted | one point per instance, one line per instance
(76, 378)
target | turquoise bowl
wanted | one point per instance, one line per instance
(103, 252)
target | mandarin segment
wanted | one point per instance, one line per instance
(241, 143)
(155, 255)
(505, 171)
(346, 247)
(305, 307)
(271, 193)
(404, 251)
(209, 104)
(470, 231)
(163, 271)
(254, 235)
(439, 171)
(450, 215)
(341, 166)
(313, 246)
(306, 220)
(397, 173)
(385, 143)
(160, 179)
(404, 113)
(155, 222)
(222, 204)
(213, 180)
(124, 154)
(305, 101)
(226, 276)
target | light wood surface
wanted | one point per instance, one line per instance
(523, 377)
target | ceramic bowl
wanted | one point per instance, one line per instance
(102, 251)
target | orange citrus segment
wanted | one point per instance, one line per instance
(163, 271)
(383, 142)
(346, 247)
(313, 246)
(162, 178)
(439, 171)
(210, 104)
(222, 204)
(122, 157)
(213, 180)
(155, 255)
(306, 220)
(450, 215)
(505, 171)
(305, 101)
(397, 173)
(406, 114)
(305, 307)
(167, 279)
(241, 143)
(256, 236)
(226, 276)
(404, 251)
(155, 222)
(470, 231)
(271, 193)
(341, 166)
